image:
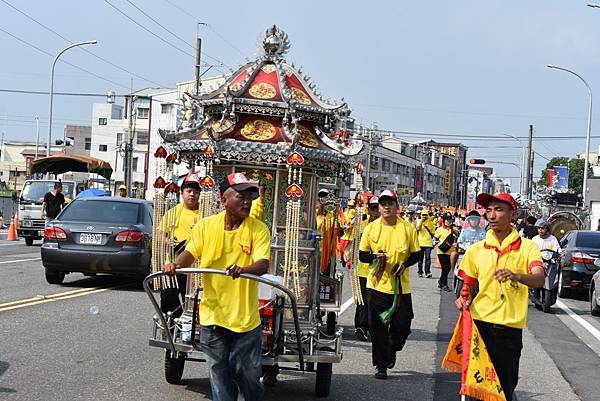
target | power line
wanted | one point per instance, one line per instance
(177, 36)
(148, 30)
(467, 112)
(207, 25)
(61, 60)
(30, 92)
(159, 24)
(82, 48)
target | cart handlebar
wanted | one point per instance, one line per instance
(287, 291)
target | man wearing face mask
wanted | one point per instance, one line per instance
(445, 238)
(425, 229)
(231, 331)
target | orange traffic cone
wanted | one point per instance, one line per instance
(12, 230)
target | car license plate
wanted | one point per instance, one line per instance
(90, 239)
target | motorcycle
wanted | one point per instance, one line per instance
(543, 298)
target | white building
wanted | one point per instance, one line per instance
(153, 108)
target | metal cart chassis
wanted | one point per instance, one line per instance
(312, 351)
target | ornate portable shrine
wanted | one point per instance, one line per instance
(270, 122)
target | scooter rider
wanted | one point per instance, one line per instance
(545, 240)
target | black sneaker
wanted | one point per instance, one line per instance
(429, 275)
(360, 334)
(420, 274)
(446, 288)
(381, 373)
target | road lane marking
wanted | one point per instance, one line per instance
(346, 305)
(41, 299)
(586, 325)
(19, 260)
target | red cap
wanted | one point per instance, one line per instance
(191, 180)
(389, 194)
(485, 199)
(238, 182)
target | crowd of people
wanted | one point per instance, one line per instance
(496, 257)
(496, 263)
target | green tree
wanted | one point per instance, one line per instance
(575, 171)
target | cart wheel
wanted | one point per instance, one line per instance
(331, 322)
(174, 368)
(323, 382)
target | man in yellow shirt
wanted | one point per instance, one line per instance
(425, 230)
(389, 245)
(504, 265)
(176, 225)
(231, 332)
(445, 238)
(361, 315)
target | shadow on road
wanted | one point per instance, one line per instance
(102, 280)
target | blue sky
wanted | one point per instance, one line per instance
(464, 68)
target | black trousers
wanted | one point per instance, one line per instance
(361, 316)
(425, 259)
(387, 340)
(446, 266)
(504, 346)
(171, 299)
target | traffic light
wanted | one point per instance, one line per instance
(477, 161)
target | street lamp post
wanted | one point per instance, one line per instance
(89, 42)
(589, 130)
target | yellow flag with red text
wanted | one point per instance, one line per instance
(479, 379)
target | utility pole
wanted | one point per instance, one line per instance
(368, 172)
(198, 51)
(128, 144)
(528, 177)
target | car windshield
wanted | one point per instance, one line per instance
(34, 191)
(588, 240)
(122, 213)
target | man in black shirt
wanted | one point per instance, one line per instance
(53, 202)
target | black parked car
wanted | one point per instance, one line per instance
(581, 248)
(99, 235)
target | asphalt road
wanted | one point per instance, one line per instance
(88, 340)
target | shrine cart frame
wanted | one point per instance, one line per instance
(311, 351)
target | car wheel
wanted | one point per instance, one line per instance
(29, 241)
(562, 291)
(54, 277)
(594, 307)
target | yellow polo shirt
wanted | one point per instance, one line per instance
(500, 303)
(228, 303)
(398, 242)
(178, 222)
(362, 268)
(424, 236)
(441, 234)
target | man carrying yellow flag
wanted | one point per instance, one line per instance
(489, 330)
